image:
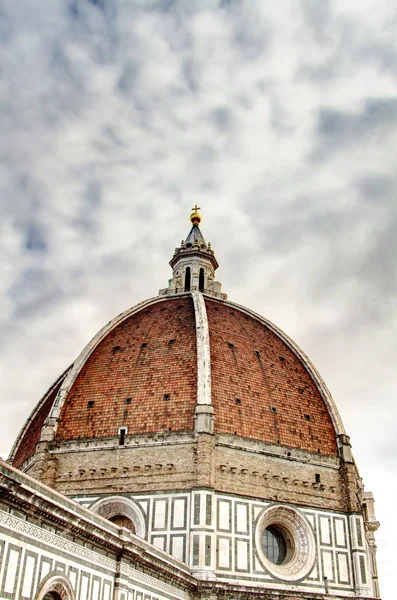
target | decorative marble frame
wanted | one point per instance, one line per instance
(300, 541)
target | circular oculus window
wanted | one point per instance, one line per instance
(285, 543)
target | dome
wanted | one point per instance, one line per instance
(141, 373)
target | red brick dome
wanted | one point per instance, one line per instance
(141, 372)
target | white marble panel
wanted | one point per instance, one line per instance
(160, 507)
(242, 518)
(95, 589)
(340, 532)
(224, 515)
(84, 587)
(106, 590)
(224, 553)
(343, 568)
(242, 555)
(325, 533)
(11, 572)
(328, 564)
(28, 576)
(73, 579)
(178, 517)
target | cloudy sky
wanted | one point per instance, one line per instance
(278, 118)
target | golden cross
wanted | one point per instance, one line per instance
(196, 208)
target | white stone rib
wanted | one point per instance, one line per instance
(203, 351)
(32, 416)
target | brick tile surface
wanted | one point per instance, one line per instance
(148, 356)
(250, 363)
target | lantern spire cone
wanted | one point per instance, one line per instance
(194, 264)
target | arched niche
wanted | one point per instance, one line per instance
(55, 587)
(118, 508)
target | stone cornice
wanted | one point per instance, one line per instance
(21, 492)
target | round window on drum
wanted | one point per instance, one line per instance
(274, 545)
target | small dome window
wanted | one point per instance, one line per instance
(201, 280)
(187, 279)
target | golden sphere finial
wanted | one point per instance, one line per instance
(195, 217)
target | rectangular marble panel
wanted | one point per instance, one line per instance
(13, 562)
(340, 532)
(196, 550)
(325, 531)
(363, 570)
(160, 514)
(28, 574)
(224, 553)
(84, 586)
(359, 532)
(208, 553)
(224, 515)
(241, 518)
(106, 590)
(242, 547)
(178, 508)
(196, 509)
(208, 509)
(95, 587)
(327, 559)
(342, 567)
(73, 575)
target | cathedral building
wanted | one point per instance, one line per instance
(192, 450)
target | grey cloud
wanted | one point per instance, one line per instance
(129, 76)
(93, 195)
(35, 238)
(338, 129)
(35, 289)
(378, 189)
(317, 16)
(222, 118)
